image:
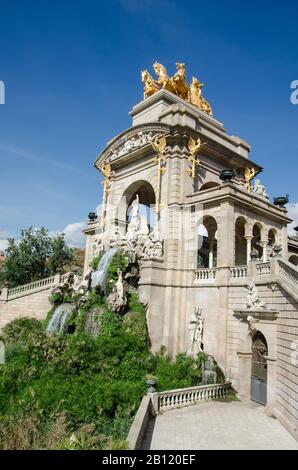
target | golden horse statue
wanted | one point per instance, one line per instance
(176, 84)
(195, 96)
(179, 81)
(163, 78)
(150, 85)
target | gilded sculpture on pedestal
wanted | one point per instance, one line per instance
(106, 172)
(159, 144)
(249, 174)
(176, 84)
(194, 147)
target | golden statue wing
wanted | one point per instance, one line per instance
(159, 143)
(247, 173)
(194, 145)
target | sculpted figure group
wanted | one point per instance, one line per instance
(176, 84)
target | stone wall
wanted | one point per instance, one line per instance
(284, 345)
(34, 305)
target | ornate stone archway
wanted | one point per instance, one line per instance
(260, 320)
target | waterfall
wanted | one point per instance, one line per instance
(57, 324)
(99, 277)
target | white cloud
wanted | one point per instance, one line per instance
(3, 245)
(293, 214)
(74, 236)
(3, 240)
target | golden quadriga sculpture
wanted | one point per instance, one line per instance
(176, 84)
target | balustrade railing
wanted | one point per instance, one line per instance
(288, 272)
(238, 271)
(263, 268)
(205, 274)
(32, 286)
(189, 396)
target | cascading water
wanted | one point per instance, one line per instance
(57, 324)
(99, 277)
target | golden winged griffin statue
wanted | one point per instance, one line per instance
(176, 84)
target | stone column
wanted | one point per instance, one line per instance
(226, 238)
(271, 382)
(4, 294)
(264, 245)
(248, 247)
(244, 375)
(211, 247)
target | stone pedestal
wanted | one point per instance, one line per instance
(244, 375)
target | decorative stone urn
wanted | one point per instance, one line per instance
(281, 201)
(254, 255)
(151, 384)
(227, 175)
(92, 216)
(277, 250)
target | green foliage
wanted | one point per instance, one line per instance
(94, 300)
(95, 262)
(20, 330)
(119, 261)
(56, 298)
(35, 256)
(81, 392)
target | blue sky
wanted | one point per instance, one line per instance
(72, 73)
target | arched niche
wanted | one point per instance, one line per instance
(257, 232)
(208, 185)
(240, 241)
(294, 259)
(146, 195)
(207, 243)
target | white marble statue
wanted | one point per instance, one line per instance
(117, 299)
(132, 143)
(259, 188)
(82, 284)
(135, 207)
(253, 299)
(144, 230)
(196, 331)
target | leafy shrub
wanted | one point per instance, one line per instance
(54, 388)
(20, 329)
(56, 298)
(95, 262)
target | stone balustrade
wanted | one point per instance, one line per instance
(238, 271)
(32, 287)
(288, 272)
(205, 274)
(189, 396)
(263, 268)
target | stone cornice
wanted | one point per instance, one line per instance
(133, 132)
(170, 98)
(237, 194)
(256, 314)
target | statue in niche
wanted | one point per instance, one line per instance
(196, 331)
(135, 207)
(155, 233)
(253, 299)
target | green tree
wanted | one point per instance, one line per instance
(35, 256)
